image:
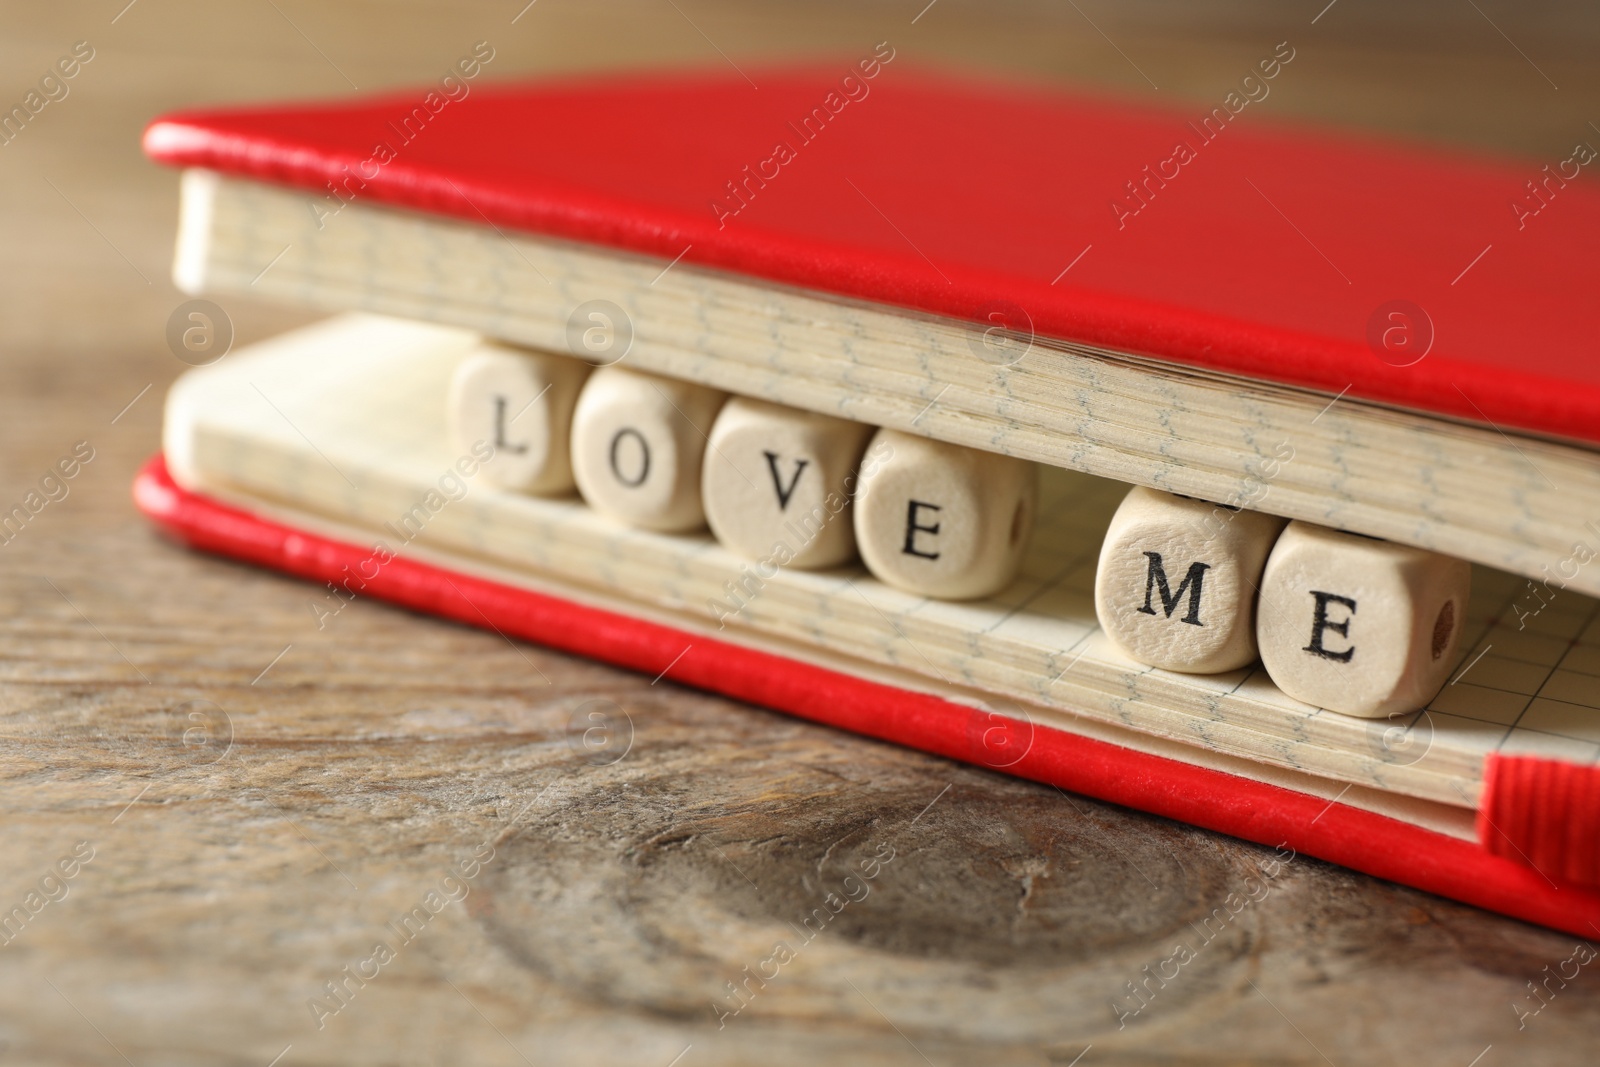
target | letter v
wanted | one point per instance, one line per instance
(777, 479)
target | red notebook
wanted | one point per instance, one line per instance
(1257, 252)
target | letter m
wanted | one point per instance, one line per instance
(418, 516)
(414, 921)
(15, 521)
(1156, 581)
(13, 923)
(12, 123)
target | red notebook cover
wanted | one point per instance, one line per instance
(1526, 864)
(1212, 236)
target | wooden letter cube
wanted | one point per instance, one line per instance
(777, 483)
(942, 520)
(638, 442)
(520, 402)
(1358, 625)
(1177, 580)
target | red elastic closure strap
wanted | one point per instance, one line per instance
(1543, 813)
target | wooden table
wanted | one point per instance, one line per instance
(346, 773)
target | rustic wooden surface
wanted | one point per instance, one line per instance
(262, 798)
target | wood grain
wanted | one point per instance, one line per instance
(346, 772)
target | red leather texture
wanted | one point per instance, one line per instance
(1251, 810)
(1270, 253)
(1543, 813)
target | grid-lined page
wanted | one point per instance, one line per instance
(347, 421)
(1530, 682)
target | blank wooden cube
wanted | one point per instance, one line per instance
(941, 520)
(1358, 625)
(638, 442)
(1177, 580)
(520, 402)
(777, 483)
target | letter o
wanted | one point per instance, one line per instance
(644, 457)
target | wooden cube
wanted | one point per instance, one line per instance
(777, 483)
(520, 402)
(638, 443)
(1358, 625)
(1177, 580)
(941, 520)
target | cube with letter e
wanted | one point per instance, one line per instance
(1359, 625)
